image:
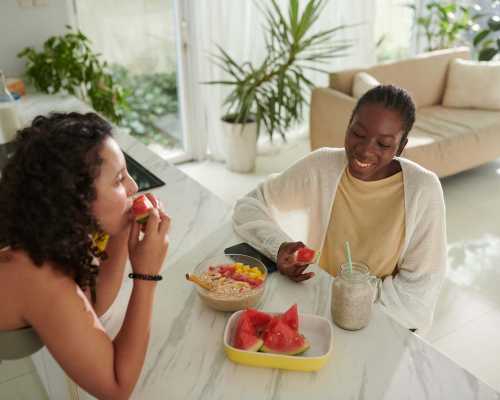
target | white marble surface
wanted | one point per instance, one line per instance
(384, 361)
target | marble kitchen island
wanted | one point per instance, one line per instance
(186, 360)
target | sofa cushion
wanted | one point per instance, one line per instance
(424, 76)
(473, 84)
(449, 140)
(362, 83)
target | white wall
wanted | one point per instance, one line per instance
(29, 26)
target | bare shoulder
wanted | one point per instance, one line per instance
(20, 272)
(29, 287)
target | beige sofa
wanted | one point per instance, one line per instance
(444, 140)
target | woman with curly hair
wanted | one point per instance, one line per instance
(65, 186)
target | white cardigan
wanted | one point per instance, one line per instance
(310, 185)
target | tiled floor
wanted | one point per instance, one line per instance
(467, 318)
(19, 381)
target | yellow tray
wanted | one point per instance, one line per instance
(317, 330)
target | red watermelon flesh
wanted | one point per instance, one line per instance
(141, 207)
(259, 319)
(291, 317)
(280, 338)
(305, 255)
(246, 337)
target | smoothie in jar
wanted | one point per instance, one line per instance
(353, 294)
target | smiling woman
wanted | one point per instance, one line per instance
(390, 209)
(65, 188)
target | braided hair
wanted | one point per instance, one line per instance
(46, 193)
(393, 98)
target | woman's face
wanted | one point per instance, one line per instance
(114, 189)
(372, 141)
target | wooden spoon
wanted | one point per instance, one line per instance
(200, 282)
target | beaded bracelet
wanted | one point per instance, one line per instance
(145, 277)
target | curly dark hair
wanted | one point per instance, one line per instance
(46, 192)
(393, 98)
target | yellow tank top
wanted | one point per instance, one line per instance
(371, 216)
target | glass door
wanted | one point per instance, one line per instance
(141, 40)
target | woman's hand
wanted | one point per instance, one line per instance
(287, 265)
(147, 254)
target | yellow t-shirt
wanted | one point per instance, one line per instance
(371, 216)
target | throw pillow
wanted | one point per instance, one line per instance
(362, 83)
(473, 84)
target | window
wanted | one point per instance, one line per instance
(393, 29)
(139, 40)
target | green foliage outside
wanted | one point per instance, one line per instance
(446, 24)
(148, 97)
(67, 63)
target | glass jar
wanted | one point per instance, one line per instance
(353, 295)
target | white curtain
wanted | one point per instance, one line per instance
(237, 26)
(137, 34)
(418, 41)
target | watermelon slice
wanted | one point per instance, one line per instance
(305, 255)
(141, 207)
(257, 330)
(291, 317)
(245, 337)
(259, 319)
(282, 339)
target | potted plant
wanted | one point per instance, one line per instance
(487, 41)
(67, 63)
(447, 24)
(273, 93)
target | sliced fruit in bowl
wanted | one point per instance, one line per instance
(275, 333)
(237, 281)
(301, 342)
(246, 337)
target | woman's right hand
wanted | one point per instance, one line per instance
(288, 266)
(147, 254)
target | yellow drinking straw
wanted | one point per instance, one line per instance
(348, 255)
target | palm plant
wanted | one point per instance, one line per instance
(274, 92)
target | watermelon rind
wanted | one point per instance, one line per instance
(142, 219)
(256, 346)
(293, 352)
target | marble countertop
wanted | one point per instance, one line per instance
(186, 360)
(383, 361)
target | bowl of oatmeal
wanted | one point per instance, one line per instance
(236, 281)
